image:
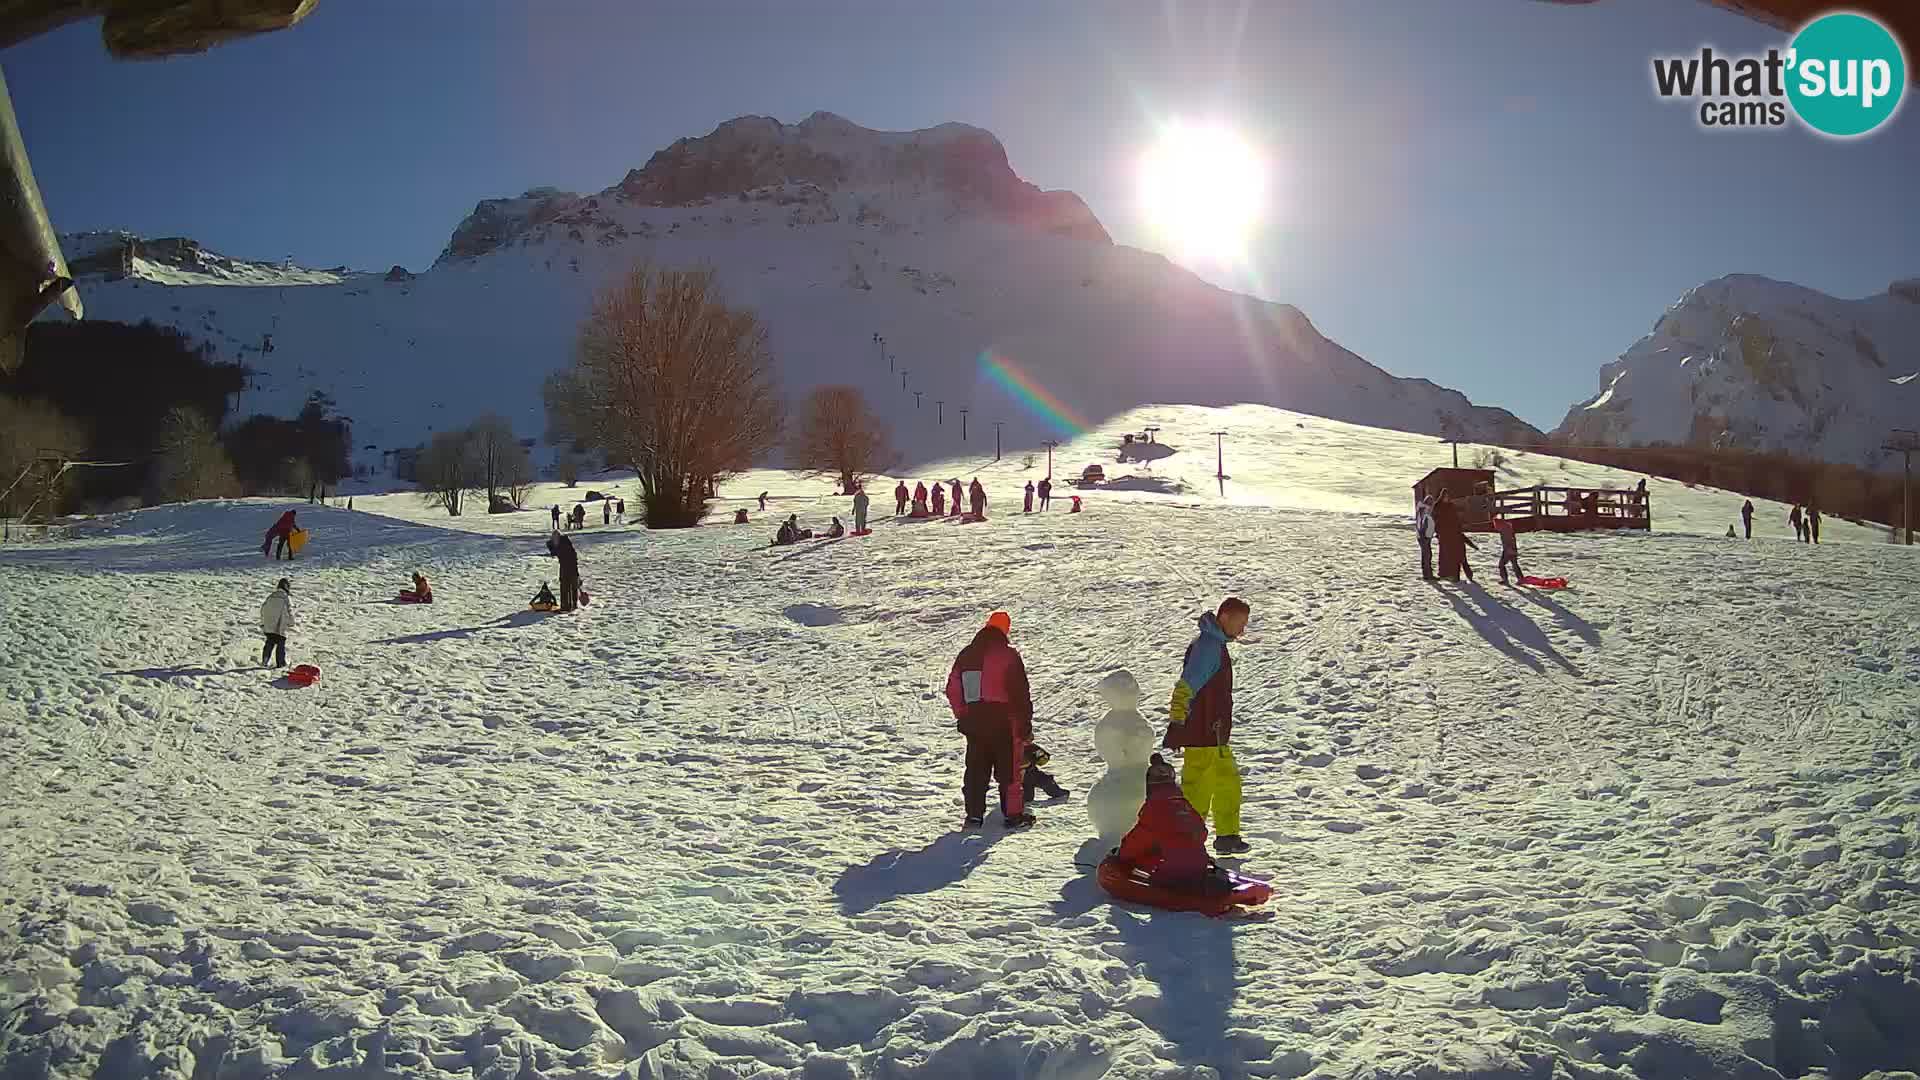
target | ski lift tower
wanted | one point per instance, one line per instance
(1906, 444)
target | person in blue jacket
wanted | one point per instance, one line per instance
(1200, 726)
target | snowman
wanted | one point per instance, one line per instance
(1124, 740)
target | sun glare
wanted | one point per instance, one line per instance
(1203, 189)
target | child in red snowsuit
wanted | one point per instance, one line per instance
(1169, 841)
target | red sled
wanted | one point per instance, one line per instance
(408, 596)
(1544, 582)
(1123, 882)
(304, 675)
(861, 532)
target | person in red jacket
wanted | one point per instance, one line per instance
(1169, 842)
(987, 690)
(282, 529)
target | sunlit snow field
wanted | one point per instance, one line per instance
(1660, 824)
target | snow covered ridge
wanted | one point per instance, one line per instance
(1751, 363)
(924, 238)
(112, 256)
(824, 152)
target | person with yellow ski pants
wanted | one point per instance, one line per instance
(1200, 725)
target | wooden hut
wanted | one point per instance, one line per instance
(1470, 489)
(1539, 508)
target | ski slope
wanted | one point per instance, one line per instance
(1658, 825)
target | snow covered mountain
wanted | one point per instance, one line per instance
(1753, 363)
(991, 295)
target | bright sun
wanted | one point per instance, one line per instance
(1203, 189)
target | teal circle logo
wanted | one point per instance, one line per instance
(1845, 74)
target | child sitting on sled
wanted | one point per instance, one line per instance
(1168, 844)
(1037, 778)
(421, 593)
(544, 600)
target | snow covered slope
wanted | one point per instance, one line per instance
(994, 295)
(1274, 459)
(1660, 825)
(1749, 362)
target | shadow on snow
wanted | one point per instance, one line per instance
(893, 874)
(504, 622)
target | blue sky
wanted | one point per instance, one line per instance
(1482, 192)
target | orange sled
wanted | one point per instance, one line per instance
(1230, 890)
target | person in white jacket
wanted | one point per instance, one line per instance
(1423, 528)
(276, 618)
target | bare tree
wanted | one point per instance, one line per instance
(671, 382)
(192, 464)
(500, 463)
(26, 428)
(841, 436)
(446, 470)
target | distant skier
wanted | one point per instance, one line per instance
(939, 500)
(859, 509)
(1027, 506)
(988, 693)
(1423, 531)
(1510, 550)
(276, 542)
(1045, 491)
(1200, 723)
(954, 506)
(561, 548)
(978, 495)
(1799, 524)
(276, 619)
(763, 500)
(900, 496)
(1746, 517)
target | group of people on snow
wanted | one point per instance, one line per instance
(943, 499)
(1436, 519)
(938, 504)
(1806, 523)
(612, 512)
(992, 704)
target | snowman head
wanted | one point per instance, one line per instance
(1120, 691)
